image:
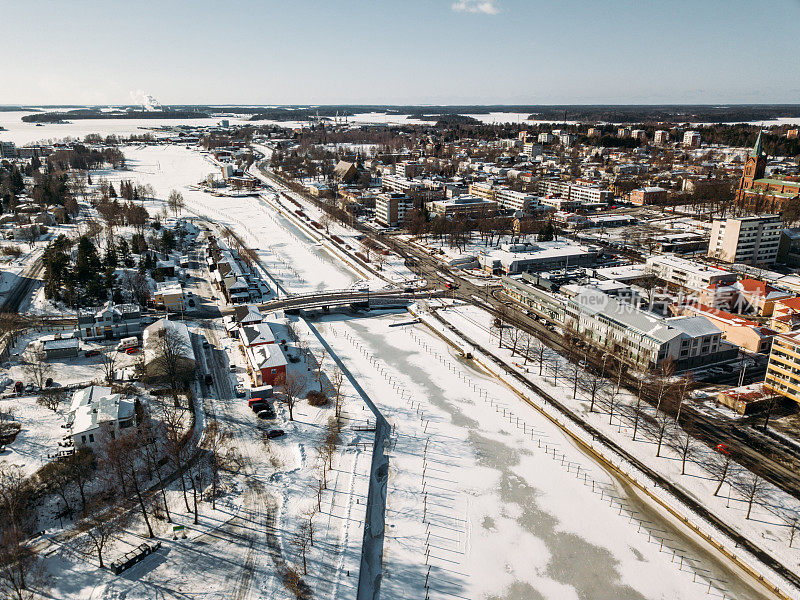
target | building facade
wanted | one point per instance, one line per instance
(746, 240)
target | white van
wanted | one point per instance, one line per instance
(128, 342)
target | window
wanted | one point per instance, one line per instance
(91, 438)
(274, 371)
(83, 439)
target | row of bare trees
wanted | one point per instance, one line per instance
(660, 424)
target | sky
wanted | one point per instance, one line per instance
(400, 52)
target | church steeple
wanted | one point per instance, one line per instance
(758, 150)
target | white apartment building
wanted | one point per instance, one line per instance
(517, 201)
(746, 240)
(640, 337)
(685, 273)
(638, 134)
(661, 137)
(584, 194)
(545, 138)
(567, 139)
(691, 139)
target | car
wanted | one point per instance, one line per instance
(265, 414)
(240, 391)
(257, 407)
(256, 400)
(232, 368)
(275, 433)
(723, 449)
(90, 353)
(209, 379)
(133, 350)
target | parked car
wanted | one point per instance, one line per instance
(90, 353)
(274, 433)
(255, 400)
(240, 391)
(209, 379)
(133, 350)
(128, 342)
(265, 414)
(723, 448)
(257, 407)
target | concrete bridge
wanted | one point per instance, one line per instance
(336, 298)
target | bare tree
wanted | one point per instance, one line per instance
(175, 202)
(292, 385)
(125, 453)
(319, 362)
(36, 367)
(336, 382)
(170, 362)
(174, 443)
(681, 442)
(52, 398)
(108, 360)
(720, 469)
(301, 542)
(214, 441)
(661, 428)
(101, 528)
(752, 486)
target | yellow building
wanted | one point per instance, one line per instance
(783, 371)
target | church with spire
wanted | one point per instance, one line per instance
(763, 194)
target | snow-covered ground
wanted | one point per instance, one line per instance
(770, 524)
(485, 505)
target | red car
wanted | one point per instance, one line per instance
(723, 448)
(89, 353)
(133, 350)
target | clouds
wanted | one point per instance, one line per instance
(486, 7)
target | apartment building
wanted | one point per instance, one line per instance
(391, 208)
(746, 240)
(464, 206)
(642, 338)
(686, 274)
(661, 137)
(532, 148)
(783, 370)
(418, 191)
(639, 134)
(505, 197)
(585, 194)
(691, 139)
(545, 138)
(567, 139)
(8, 150)
(409, 169)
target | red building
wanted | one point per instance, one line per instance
(763, 194)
